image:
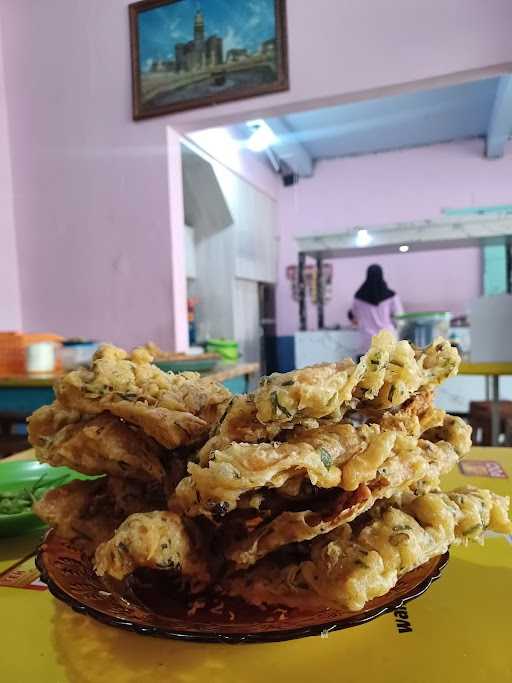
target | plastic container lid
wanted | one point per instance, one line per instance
(78, 342)
(423, 314)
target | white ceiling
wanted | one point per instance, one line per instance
(478, 109)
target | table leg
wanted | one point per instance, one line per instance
(487, 388)
(320, 291)
(303, 322)
(495, 410)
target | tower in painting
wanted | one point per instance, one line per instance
(199, 53)
(199, 44)
(199, 28)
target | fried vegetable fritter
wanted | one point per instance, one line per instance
(97, 445)
(333, 455)
(389, 375)
(348, 570)
(414, 417)
(90, 511)
(317, 454)
(238, 423)
(174, 409)
(307, 395)
(319, 489)
(48, 420)
(412, 465)
(155, 540)
(453, 430)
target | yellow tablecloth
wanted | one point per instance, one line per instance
(460, 631)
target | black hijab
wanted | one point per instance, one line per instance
(374, 289)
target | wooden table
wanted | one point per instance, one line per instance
(229, 374)
(492, 373)
(458, 631)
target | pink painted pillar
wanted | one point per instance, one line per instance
(177, 227)
(10, 307)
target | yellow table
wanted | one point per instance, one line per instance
(460, 631)
(491, 371)
(22, 455)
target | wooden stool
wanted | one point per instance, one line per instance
(508, 431)
(480, 420)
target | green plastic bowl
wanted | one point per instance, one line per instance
(23, 474)
(226, 348)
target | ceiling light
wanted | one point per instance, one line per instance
(404, 248)
(363, 238)
(262, 136)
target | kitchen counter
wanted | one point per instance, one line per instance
(326, 346)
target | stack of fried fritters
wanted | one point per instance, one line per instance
(319, 490)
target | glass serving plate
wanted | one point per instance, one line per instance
(149, 609)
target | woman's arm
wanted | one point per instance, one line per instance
(396, 306)
(351, 315)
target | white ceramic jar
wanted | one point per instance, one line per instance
(40, 357)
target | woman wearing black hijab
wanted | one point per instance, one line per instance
(374, 306)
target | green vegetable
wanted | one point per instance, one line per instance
(376, 360)
(326, 458)
(277, 406)
(396, 539)
(16, 502)
(13, 506)
(223, 417)
(224, 414)
(331, 403)
(130, 396)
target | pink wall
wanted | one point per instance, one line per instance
(91, 186)
(10, 313)
(91, 193)
(179, 340)
(384, 188)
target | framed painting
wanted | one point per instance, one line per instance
(188, 54)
